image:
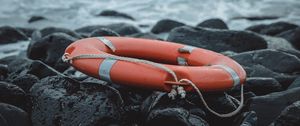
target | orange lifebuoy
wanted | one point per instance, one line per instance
(208, 70)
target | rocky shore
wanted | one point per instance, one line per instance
(38, 89)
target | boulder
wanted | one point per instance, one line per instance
(103, 32)
(62, 101)
(293, 36)
(146, 36)
(36, 18)
(268, 107)
(246, 119)
(165, 25)
(23, 81)
(41, 70)
(274, 60)
(215, 23)
(113, 13)
(13, 116)
(272, 29)
(12, 94)
(27, 31)
(40, 34)
(290, 116)
(50, 49)
(3, 71)
(121, 28)
(9, 35)
(262, 85)
(172, 117)
(217, 40)
(295, 84)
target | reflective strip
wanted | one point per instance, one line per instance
(186, 49)
(181, 61)
(108, 43)
(235, 77)
(104, 69)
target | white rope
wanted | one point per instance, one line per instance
(176, 90)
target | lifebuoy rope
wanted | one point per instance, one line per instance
(176, 90)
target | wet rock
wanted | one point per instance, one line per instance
(36, 18)
(146, 36)
(41, 70)
(50, 49)
(213, 23)
(9, 35)
(38, 35)
(217, 40)
(3, 71)
(261, 85)
(174, 116)
(12, 94)
(257, 18)
(3, 121)
(295, 84)
(293, 36)
(13, 116)
(277, 43)
(23, 81)
(121, 28)
(272, 29)
(290, 116)
(268, 107)
(165, 25)
(113, 13)
(18, 64)
(261, 71)
(124, 29)
(62, 101)
(27, 31)
(274, 60)
(246, 119)
(103, 32)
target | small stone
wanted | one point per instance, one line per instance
(9, 35)
(165, 25)
(215, 23)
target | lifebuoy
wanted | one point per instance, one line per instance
(208, 70)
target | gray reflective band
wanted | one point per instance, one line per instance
(235, 77)
(186, 49)
(181, 61)
(108, 43)
(104, 69)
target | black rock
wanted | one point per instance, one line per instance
(13, 116)
(246, 119)
(213, 23)
(3, 71)
(23, 81)
(18, 64)
(50, 49)
(62, 101)
(115, 14)
(36, 18)
(293, 36)
(41, 70)
(217, 40)
(174, 116)
(27, 31)
(9, 35)
(290, 116)
(275, 60)
(262, 86)
(121, 28)
(165, 25)
(295, 84)
(39, 34)
(272, 29)
(146, 36)
(256, 18)
(268, 107)
(12, 94)
(103, 32)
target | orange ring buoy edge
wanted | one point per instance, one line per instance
(208, 70)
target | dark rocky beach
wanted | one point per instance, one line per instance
(38, 89)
